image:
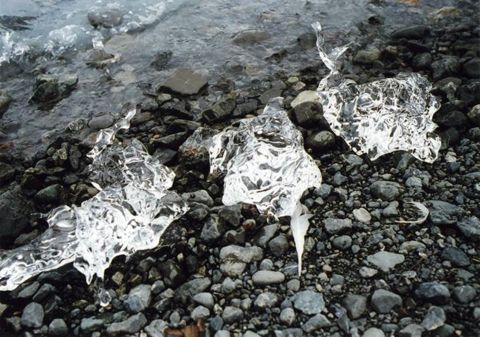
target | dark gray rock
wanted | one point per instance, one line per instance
(212, 229)
(105, 17)
(433, 292)
(309, 114)
(57, 327)
(32, 315)
(91, 324)
(278, 245)
(471, 68)
(139, 298)
(15, 212)
(131, 325)
(287, 316)
(470, 227)
(445, 66)
(317, 322)
(321, 141)
(411, 32)
(156, 328)
(434, 318)
(265, 234)
(309, 302)
(200, 196)
(221, 110)
(29, 290)
(367, 56)
(52, 194)
(6, 172)
(50, 89)
(456, 256)
(232, 314)
(464, 294)
(422, 61)
(191, 288)
(335, 226)
(250, 36)
(101, 122)
(474, 114)
(186, 81)
(444, 213)
(384, 301)
(355, 305)
(5, 100)
(161, 60)
(385, 190)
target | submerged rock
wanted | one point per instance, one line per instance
(5, 100)
(186, 81)
(251, 36)
(106, 17)
(50, 89)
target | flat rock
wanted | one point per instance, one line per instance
(186, 81)
(316, 322)
(309, 302)
(444, 213)
(383, 301)
(335, 226)
(385, 260)
(433, 292)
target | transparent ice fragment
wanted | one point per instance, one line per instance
(380, 117)
(265, 164)
(413, 212)
(130, 213)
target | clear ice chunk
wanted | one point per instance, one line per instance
(265, 164)
(379, 117)
(130, 213)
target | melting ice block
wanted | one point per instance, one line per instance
(130, 213)
(382, 116)
(265, 164)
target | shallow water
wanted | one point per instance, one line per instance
(56, 35)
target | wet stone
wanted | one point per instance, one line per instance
(464, 294)
(15, 212)
(49, 89)
(186, 81)
(385, 190)
(101, 122)
(434, 318)
(107, 18)
(317, 322)
(470, 227)
(444, 213)
(131, 325)
(161, 60)
(5, 100)
(212, 229)
(52, 194)
(456, 256)
(384, 301)
(57, 327)
(411, 32)
(355, 305)
(309, 302)
(367, 56)
(471, 68)
(191, 288)
(138, 298)
(433, 292)
(32, 315)
(251, 36)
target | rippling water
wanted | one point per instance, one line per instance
(56, 35)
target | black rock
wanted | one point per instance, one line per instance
(5, 100)
(385, 190)
(470, 227)
(446, 66)
(444, 213)
(422, 61)
(52, 194)
(471, 68)
(321, 141)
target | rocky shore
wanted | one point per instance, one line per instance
(229, 271)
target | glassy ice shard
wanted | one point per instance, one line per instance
(265, 164)
(130, 213)
(382, 116)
